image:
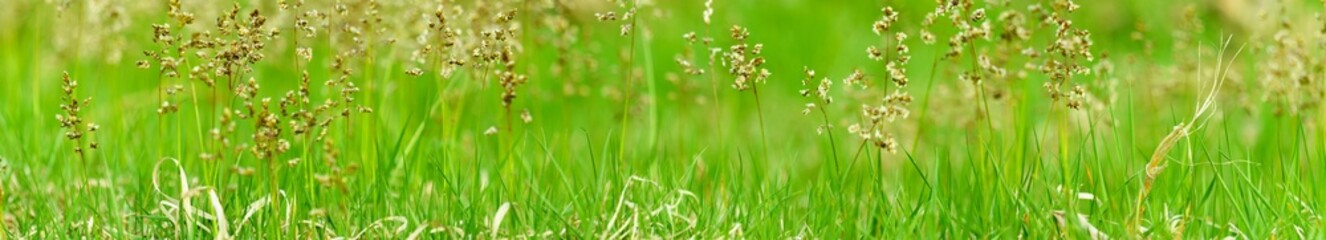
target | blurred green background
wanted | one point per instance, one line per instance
(676, 133)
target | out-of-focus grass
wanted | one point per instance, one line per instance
(426, 164)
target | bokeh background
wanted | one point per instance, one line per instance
(587, 85)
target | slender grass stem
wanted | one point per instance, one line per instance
(759, 111)
(630, 75)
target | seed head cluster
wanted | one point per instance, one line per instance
(1291, 75)
(744, 61)
(879, 118)
(626, 19)
(76, 129)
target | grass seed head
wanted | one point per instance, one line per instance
(76, 128)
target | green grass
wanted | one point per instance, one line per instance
(663, 154)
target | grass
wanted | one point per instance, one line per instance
(625, 141)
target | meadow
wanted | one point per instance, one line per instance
(651, 119)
